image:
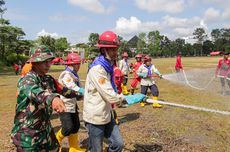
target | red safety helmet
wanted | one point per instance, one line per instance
(108, 39)
(147, 58)
(125, 54)
(138, 56)
(73, 58)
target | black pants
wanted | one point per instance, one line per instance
(153, 88)
(125, 79)
(70, 123)
(222, 80)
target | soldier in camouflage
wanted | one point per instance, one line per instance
(38, 96)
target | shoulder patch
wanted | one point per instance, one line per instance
(102, 80)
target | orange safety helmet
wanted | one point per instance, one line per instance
(108, 39)
(138, 56)
(147, 58)
(73, 58)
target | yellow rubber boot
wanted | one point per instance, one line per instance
(124, 89)
(59, 137)
(155, 103)
(73, 144)
(142, 104)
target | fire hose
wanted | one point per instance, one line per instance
(194, 87)
(189, 107)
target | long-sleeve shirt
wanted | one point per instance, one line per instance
(118, 78)
(69, 80)
(223, 67)
(178, 62)
(147, 80)
(135, 68)
(32, 127)
(99, 94)
(124, 67)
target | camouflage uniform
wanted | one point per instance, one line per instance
(32, 130)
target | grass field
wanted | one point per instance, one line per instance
(145, 128)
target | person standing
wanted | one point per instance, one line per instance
(39, 95)
(70, 122)
(223, 72)
(146, 71)
(136, 79)
(16, 68)
(124, 67)
(100, 93)
(178, 65)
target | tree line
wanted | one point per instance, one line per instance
(13, 45)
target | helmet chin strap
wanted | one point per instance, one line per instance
(109, 58)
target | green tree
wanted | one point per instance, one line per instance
(216, 34)
(188, 49)
(154, 43)
(48, 41)
(165, 46)
(141, 43)
(200, 35)
(61, 44)
(93, 39)
(2, 9)
(208, 46)
(10, 37)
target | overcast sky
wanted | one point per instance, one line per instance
(76, 19)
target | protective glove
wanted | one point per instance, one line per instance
(142, 75)
(81, 91)
(161, 76)
(132, 99)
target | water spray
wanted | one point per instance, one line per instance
(198, 88)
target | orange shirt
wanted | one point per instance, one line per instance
(26, 68)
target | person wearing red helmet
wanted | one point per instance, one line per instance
(70, 122)
(223, 71)
(100, 93)
(136, 79)
(124, 66)
(146, 71)
(118, 79)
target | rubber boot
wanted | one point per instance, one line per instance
(59, 137)
(142, 103)
(155, 103)
(73, 144)
(132, 91)
(124, 89)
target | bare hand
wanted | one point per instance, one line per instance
(58, 105)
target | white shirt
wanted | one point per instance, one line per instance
(124, 67)
(69, 80)
(99, 94)
(147, 81)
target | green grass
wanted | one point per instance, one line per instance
(174, 128)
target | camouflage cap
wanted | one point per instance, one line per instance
(40, 54)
